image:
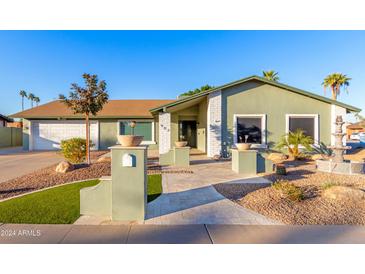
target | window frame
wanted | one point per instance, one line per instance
(316, 124)
(263, 128)
(153, 141)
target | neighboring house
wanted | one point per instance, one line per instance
(355, 128)
(4, 120)
(252, 109)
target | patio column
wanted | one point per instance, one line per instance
(164, 132)
(214, 127)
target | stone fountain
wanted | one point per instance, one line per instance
(337, 164)
(339, 148)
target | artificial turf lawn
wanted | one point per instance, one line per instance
(59, 205)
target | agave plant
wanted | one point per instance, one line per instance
(292, 142)
(323, 150)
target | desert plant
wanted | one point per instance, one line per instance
(23, 94)
(292, 141)
(87, 101)
(322, 149)
(31, 97)
(289, 190)
(36, 100)
(271, 75)
(336, 81)
(74, 150)
(327, 185)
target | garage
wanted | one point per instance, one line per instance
(47, 135)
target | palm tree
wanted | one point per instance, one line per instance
(37, 100)
(88, 101)
(293, 140)
(31, 97)
(336, 82)
(271, 75)
(23, 94)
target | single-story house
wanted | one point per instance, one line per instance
(4, 120)
(253, 110)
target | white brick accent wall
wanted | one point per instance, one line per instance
(214, 120)
(335, 111)
(164, 132)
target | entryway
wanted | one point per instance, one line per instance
(187, 132)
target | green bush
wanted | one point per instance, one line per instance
(74, 150)
(289, 190)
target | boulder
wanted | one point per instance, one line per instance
(104, 159)
(277, 157)
(343, 192)
(64, 167)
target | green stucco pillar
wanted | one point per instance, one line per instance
(129, 183)
(182, 156)
(244, 162)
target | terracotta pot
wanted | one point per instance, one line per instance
(181, 144)
(243, 146)
(130, 140)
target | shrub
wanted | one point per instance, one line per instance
(327, 185)
(289, 190)
(293, 140)
(74, 150)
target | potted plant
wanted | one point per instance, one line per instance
(130, 140)
(182, 142)
(243, 145)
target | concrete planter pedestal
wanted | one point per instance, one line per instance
(178, 156)
(123, 196)
(250, 162)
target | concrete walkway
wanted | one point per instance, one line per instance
(191, 198)
(15, 162)
(180, 234)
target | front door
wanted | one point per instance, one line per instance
(187, 132)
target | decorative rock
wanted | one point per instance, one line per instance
(64, 167)
(216, 157)
(343, 192)
(277, 157)
(315, 157)
(104, 159)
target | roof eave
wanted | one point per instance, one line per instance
(254, 77)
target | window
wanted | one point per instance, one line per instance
(143, 128)
(306, 122)
(250, 128)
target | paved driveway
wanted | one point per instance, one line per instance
(15, 162)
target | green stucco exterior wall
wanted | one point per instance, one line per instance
(108, 133)
(257, 98)
(26, 131)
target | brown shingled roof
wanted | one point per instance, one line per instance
(113, 109)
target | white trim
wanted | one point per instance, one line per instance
(316, 123)
(153, 141)
(263, 128)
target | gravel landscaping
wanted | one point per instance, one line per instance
(48, 177)
(313, 209)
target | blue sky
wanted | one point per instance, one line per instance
(162, 64)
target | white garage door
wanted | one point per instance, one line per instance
(47, 135)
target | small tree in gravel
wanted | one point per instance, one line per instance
(88, 100)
